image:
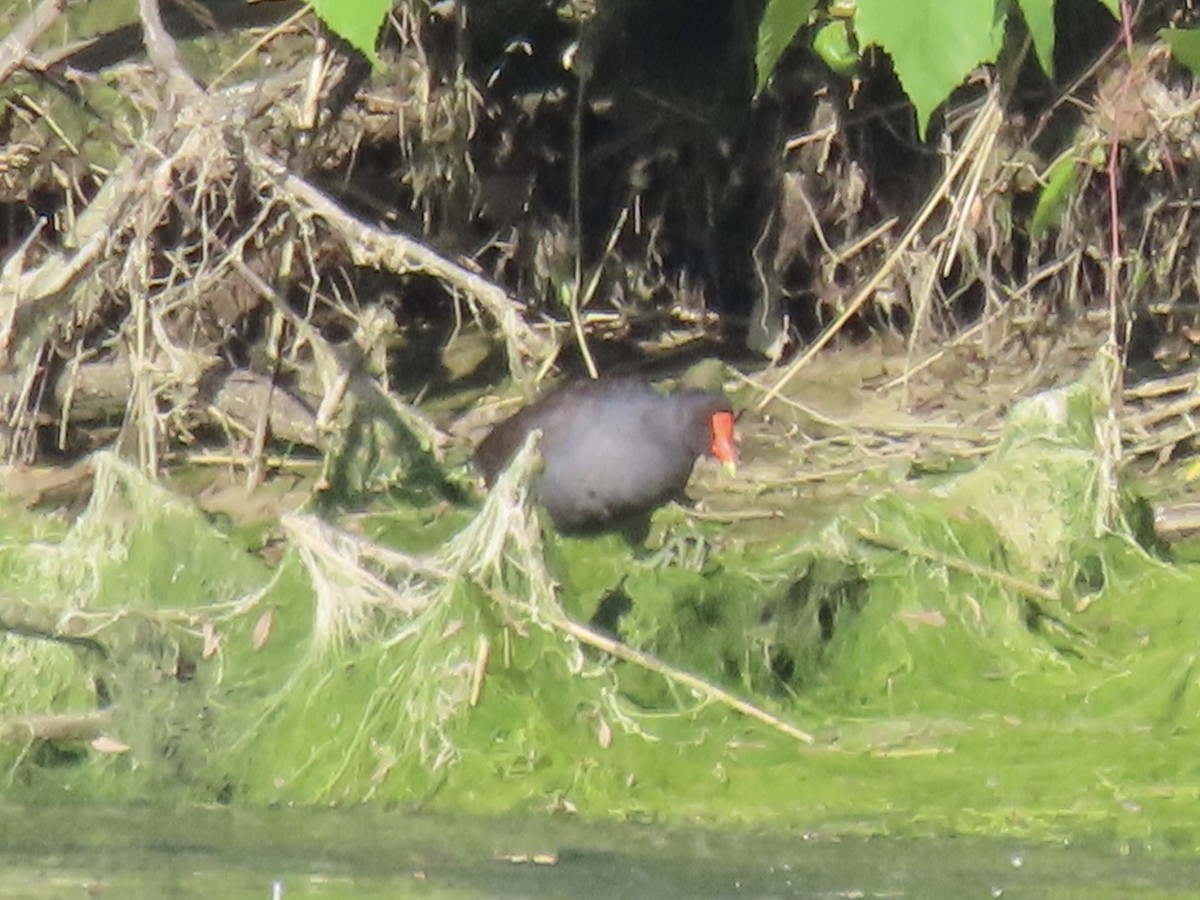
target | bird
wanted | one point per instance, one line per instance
(613, 449)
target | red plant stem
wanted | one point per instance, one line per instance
(1114, 174)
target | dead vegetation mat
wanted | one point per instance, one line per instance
(193, 260)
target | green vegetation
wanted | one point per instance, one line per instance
(229, 240)
(970, 655)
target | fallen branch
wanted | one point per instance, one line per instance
(396, 252)
(957, 564)
(585, 635)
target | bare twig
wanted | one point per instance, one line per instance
(983, 126)
(15, 48)
(371, 246)
(164, 54)
(957, 564)
(585, 635)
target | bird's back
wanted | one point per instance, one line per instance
(611, 448)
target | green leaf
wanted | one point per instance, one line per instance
(934, 44)
(1039, 19)
(780, 22)
(1061, 180)
(832, 43)
(356, 21)
(1114, 7)
(1185, 46)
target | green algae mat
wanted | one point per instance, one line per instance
(1002, 652)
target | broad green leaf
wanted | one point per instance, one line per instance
(934, 44)
(1060, 184)
(780, 22)
(1039, 19)
(1185, 46)
(357, 21)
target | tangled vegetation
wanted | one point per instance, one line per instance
(249, 248)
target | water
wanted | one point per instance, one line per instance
(86, 852)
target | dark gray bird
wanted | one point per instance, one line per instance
(614, 450)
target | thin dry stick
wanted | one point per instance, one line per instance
(580, 337)
(977, 146)
(576, 299)
(164, 54)
(579, 303)
(965, 203)
(1045, 272)
(860, 299)
(1161, 387)
(255, 49)
(284, 463)
(585, 635)
(957, 564)
(400, 253)
(614, 234)
(16, 46)
(858, 244)
(1156, 415)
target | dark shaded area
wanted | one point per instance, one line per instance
(701, 208)
(806, 617)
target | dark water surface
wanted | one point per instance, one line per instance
(365, 853)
